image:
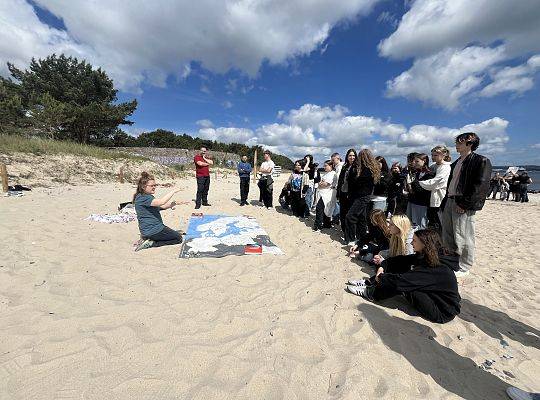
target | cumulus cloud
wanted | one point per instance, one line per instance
(140, 41)
(318, 130)
(438, 35)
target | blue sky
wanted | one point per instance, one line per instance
(308, 76)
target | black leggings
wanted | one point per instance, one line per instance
(166, 237)
(357, 219)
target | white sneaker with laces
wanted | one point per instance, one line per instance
(359, 291)
(357, 282)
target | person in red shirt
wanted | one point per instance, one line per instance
(202, 172)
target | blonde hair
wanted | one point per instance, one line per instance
(398, 243)
(442, 150)
(141, 183)
(378, 218)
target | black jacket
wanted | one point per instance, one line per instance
(341, 179)
(473, 182)
(382, 187)
(360, 185)
(419, 195)
(411, 273)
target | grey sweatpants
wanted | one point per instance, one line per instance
(458, 233)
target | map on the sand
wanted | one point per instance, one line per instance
(223, 235)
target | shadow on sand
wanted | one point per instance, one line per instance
(415, 342)
(496, 324)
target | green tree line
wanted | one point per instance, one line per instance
(62, 98)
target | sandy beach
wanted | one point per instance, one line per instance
(83, 316)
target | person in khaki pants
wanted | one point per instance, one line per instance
(468, 185)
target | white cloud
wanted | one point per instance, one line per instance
(140, 41)
(456, 43)
(205, 123)
(317, 130)
(513, 79)
(227, 104)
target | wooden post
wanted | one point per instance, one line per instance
(121, 175)
(4, 175)
(255, 166)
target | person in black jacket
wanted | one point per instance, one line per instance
(468, 185)
(397, 201)
(426, 278)
(362, 177)
(417, 207)
(342, 189)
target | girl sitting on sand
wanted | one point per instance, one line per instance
(153, 232)
(426, 279)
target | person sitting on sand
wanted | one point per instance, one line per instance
(153, 232)
(426, 279)
(400, 243)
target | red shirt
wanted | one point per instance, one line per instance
(200, 171)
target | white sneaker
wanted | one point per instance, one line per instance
(145, 245)
(359, 291)
(357, 282)
(461, 273)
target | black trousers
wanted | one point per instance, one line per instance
(244, 189)
(321, 219)
(421, 301)
(298, 205)
(357, 219)
(166, 237)
(266, 192)
(203, 185)
(433, 219)
(344, 205)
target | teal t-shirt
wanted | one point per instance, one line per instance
(149, 217)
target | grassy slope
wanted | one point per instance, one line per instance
(18, 144)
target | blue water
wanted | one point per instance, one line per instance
(194, 223)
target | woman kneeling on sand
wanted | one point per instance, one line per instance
(153, 232)
(426, 279)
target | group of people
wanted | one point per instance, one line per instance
(415, 223)
(512, 184)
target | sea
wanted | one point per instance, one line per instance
(535, 176)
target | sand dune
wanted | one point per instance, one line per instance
(82, 316)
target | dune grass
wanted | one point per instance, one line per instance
(20, 144)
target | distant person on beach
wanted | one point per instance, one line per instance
(338, 165)
(244, 171)
(468, 185)
(524, 182)
(202, 172)
(265, 179)
(153, 232)
(310, 169)
(426, 279)
(397, 200)
(297, 183)
(494, 185)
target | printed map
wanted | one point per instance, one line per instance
(223, 235)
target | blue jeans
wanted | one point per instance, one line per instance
(309, 200)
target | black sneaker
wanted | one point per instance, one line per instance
(207, 204)
(197, 206)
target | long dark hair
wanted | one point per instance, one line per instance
(432, 246)
(141, 184)
(366, 160)
(384, 166)
(424, 157)
(347, 156)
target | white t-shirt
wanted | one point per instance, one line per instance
(266, 165)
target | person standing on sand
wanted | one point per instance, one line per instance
(265, 181)
(153, 232)
(244, 170)
(468, 185)
(202, 172)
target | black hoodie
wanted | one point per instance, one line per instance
(411, 273)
